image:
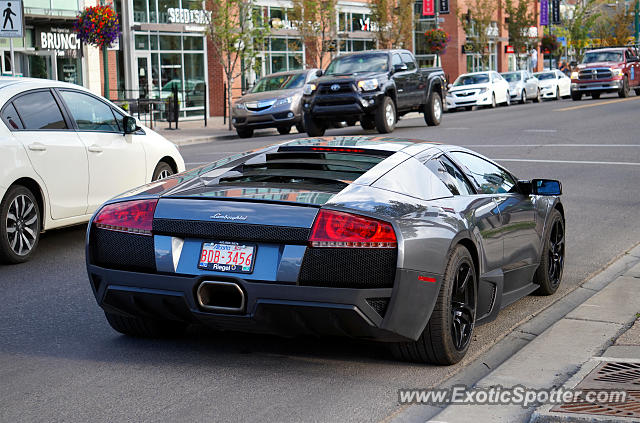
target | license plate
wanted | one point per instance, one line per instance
(227, 257)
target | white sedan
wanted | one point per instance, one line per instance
(553, 84)
(63, 152)
(478, 89)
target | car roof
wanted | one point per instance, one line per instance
(28, 83)
(379, 143)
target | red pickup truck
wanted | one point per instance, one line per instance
(607, 70)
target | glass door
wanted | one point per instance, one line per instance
(142, 75)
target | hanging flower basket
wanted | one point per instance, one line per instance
(549, 44)
(436, 41)
(97, 26)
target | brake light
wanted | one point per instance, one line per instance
(345, 230)
(129, 216)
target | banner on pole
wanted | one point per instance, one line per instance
(444, 7)
(428, 8)
(544, 12)
(555, 12)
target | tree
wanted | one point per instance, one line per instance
(477, 24)
(579, 25)
(613, 27)
(236, 32)
(521, 18)
(315, 20)
(392, 21)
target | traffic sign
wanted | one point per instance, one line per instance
(11, 19)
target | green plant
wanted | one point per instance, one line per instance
(549, 44)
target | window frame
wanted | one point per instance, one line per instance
(61, 108)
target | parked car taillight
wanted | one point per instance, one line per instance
(340, 230)
(129, 216)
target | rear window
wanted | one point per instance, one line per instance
(316, 167)
(39, 110)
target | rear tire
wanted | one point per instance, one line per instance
(523, 97)
(493, 101)
(386, 117)
(557, 93)
(313, 127)
(538, 98)
(549, 273)
(244, 132)
(284, 130)
(438, 343)
(20, 225)
(575, 96)
(144, 328)
(433, 110)
(367, 123)
(300, 127)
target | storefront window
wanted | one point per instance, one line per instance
(141, 42)
(163, 6)
(279, 44)
(347, 46)
(170, 42)
(70, 70)
(284, 54)
(65, 4)
(140, 10)
(193, 43)
(153, 11)
(39, 66)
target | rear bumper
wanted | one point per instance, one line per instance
(275, 308)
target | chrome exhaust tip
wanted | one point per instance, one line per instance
(221, 297)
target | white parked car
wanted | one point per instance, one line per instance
(522, 86)
(63, 152)
(478, 89)
(554, 84)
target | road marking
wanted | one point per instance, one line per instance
(568, 162)
(583, 106)
(540, 130)
(548, 145)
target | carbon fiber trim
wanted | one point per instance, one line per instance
(349, 267)
(121, 250)
(225, 231)
(379, 304)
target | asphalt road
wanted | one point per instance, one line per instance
(60, 361)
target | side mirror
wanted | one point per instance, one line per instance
(130, 125)
(546, 187)
(319, 72)
(400, 68)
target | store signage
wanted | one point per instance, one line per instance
(444, 7)
(58, 39)
(555, 12)
(428, 8)
(544, 12)
(11, 19)
(188, 16)
(508, 49)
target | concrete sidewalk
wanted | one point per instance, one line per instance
(561, 346)
(194, 131)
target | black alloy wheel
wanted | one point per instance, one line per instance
(549, 273)
(463, 306)
(448, 333)
(556, 253)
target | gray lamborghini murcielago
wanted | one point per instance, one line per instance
(408, 242)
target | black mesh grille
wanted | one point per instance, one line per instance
(379, 304)
(122, 250)
(348, 267)
(231, 231)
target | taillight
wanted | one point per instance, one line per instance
(129, 216)
(340, 230)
